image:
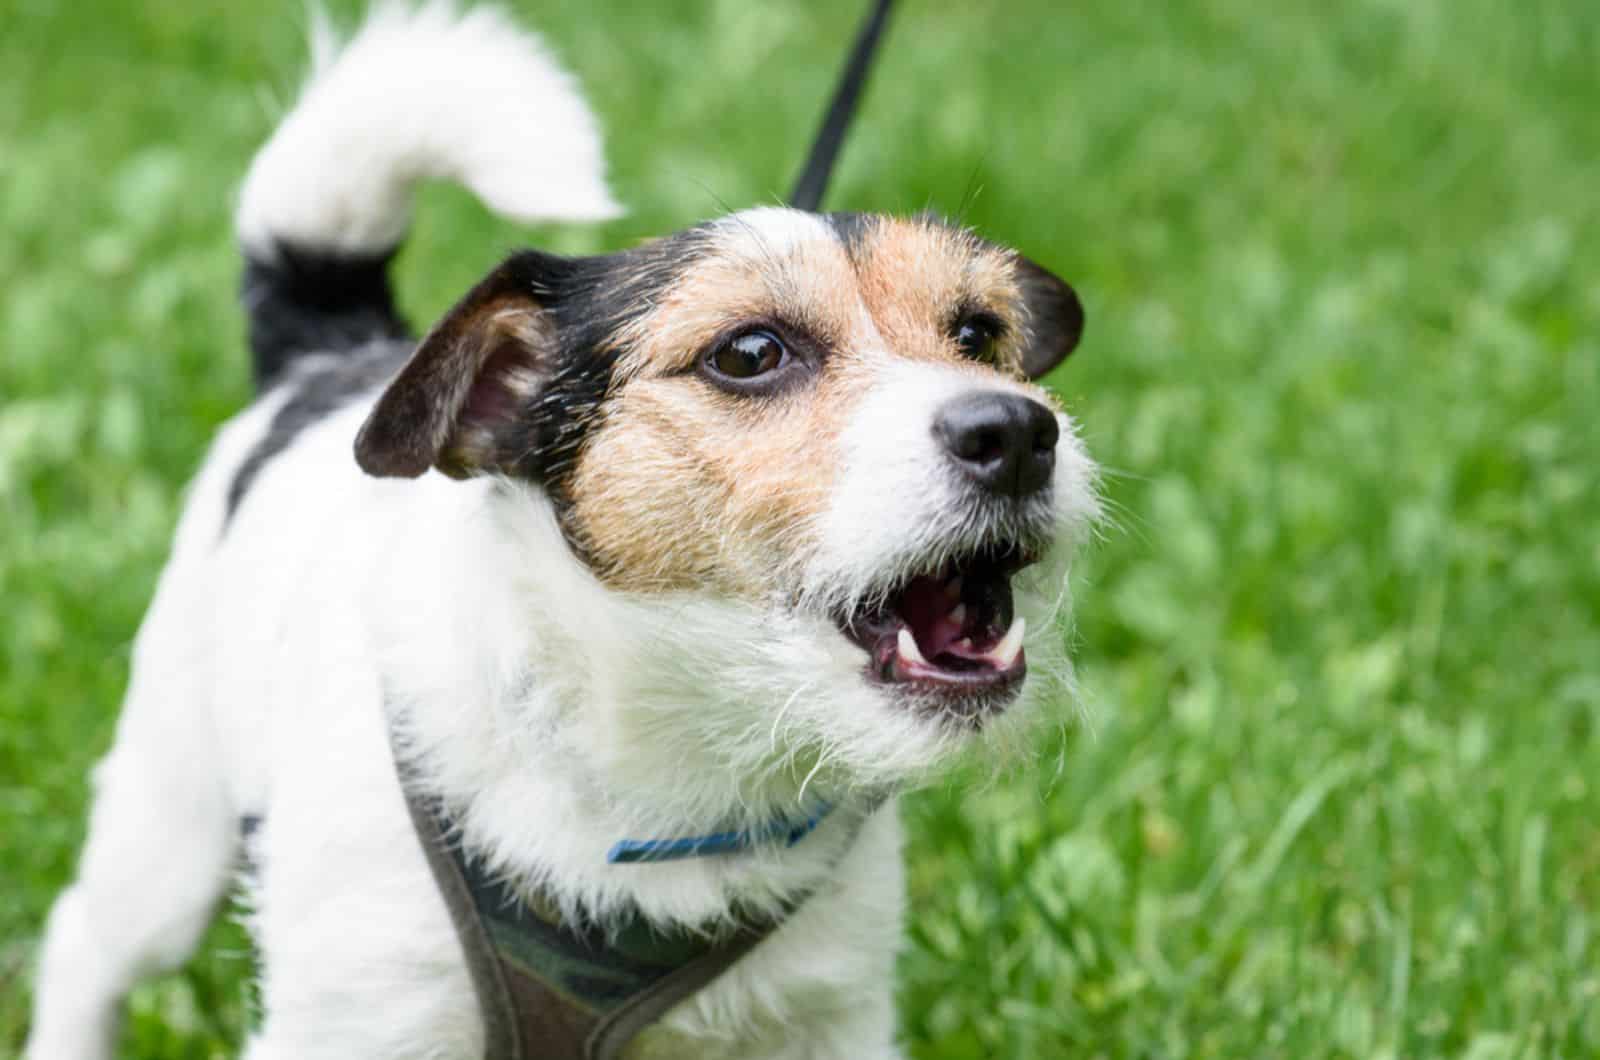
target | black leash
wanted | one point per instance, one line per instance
(813, 182)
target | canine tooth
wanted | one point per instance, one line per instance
(1005, 653)
(958, 614)
(908, 647)
(964, 644)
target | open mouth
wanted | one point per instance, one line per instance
(950, 632)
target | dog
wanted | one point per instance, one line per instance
(738, 533)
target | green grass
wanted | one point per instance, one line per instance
(1339, 795)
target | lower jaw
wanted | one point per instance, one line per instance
(971, 701)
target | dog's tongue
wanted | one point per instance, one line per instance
(932, 608)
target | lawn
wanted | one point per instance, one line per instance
(1336, 792)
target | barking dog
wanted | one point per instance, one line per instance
(662, 571)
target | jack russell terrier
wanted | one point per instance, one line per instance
(554, 676)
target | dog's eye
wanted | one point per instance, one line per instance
(749, 355)
(976, 336)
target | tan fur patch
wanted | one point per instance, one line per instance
(681, 489)
(916, 273)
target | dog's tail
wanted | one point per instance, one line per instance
(417, 93)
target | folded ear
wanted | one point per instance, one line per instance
(457, 403)
(1055, 318)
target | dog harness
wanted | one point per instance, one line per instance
(549, 991)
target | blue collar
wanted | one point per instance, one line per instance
(628, 851)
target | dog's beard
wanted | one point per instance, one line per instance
(705, 707)
(781, 705)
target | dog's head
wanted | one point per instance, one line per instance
(811, 446)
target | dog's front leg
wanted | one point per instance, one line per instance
(359, 959)
(161, 842)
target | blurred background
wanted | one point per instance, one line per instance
(1334, 789)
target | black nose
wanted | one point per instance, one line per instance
(1006, 442)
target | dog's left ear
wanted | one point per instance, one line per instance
(1055, 318)
(458, 403)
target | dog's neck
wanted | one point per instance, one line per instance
(551, 827)
(551, 767)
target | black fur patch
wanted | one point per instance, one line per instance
(587, 302)
(305, 301)
(1057, 318)
(249, 825)
(320, 390)
(852, 229)
(591, 300)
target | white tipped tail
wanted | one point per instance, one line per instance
(423, 93)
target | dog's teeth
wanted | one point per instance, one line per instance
(952, 588)
(964, 644)
(1005, 653)
(958, 615)
(908, 647)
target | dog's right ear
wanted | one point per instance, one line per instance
(455, 404)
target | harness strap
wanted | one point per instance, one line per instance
(502, 1038)
(548, 990)
(612, 1034)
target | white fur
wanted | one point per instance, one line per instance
(554, 715)
(417, 94)
(772, 232)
